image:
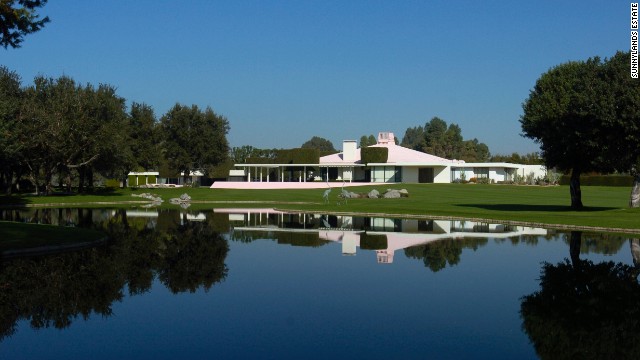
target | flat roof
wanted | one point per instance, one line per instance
(298, 165)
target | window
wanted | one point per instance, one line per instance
(481, 173)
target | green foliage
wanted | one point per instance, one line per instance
(515, 158)
(600, 180)
(54, 291)
(318, 143)
(584, 310)
(367, 141)
(16, 22)
(11, 96)
(194, 139)
(371, 155)
(298, 156)
(145, 137)
(414, 138)
(439, 139)
(112, 183)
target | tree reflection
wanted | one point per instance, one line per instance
(584, 310)
(438, 254)
(53, 291)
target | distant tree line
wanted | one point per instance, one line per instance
(59, 132)
(439, 139)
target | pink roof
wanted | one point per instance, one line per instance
(397, 154)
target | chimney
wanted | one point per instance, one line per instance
(386, 138)
(349, 148)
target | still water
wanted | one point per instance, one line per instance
(236, 284)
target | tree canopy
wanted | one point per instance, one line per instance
(585, 117)
(367, 140)
(194, 139)
(319, 143)
(57, 131)
(18, 20)
(439, 139)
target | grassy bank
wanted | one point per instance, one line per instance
(604, 206)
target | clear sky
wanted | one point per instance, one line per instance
(284, 71)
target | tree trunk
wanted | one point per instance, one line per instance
(90, 179)
(574, 190)
(81, 179)
(185, 177)
(575, 243)
(635, 251)
(634, 201)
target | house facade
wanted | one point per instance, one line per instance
(403, 165)
(411, 166)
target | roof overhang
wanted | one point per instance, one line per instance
(414, 164)
(487, 165)
(299, 165)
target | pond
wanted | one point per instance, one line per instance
(257, 283)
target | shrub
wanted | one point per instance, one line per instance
(112, 183)
(473, 180)
(600, 180)
(373, 242)
(371, 155)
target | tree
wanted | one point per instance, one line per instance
(145, 139)
(584, 310)
(64, 127)
(194, 139)
(18, 21)
(10, 98)
(414, 138)
(367, 140)
(583, 115)
(319, 143)
(434, 136)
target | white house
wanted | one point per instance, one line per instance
(411, 166)
(403, 165)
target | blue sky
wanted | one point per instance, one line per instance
(284, 71)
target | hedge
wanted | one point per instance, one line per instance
(374, 155)
(373, 242)
(600, 180)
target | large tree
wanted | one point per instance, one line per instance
(367, 140)
(583, 115)
(194, 139)
(10, 98)
(19, 18)
(63, 127)
(145, 137)
(319, 143)
(413, 138)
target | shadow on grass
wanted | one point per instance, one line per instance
(539, 208)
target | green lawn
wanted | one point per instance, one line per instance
(604, 206)
(20, 236)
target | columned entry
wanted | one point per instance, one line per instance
(425, 175)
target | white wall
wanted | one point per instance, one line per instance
(409, 174)
(537, 170)
(442, 175)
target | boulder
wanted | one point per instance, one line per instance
(373, 194)
(392, 194)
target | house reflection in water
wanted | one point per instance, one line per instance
(384, 235)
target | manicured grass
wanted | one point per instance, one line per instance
(19, 236)
(604, 206)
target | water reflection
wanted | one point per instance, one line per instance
(435, 242)
(585, 310)
(55, 290)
